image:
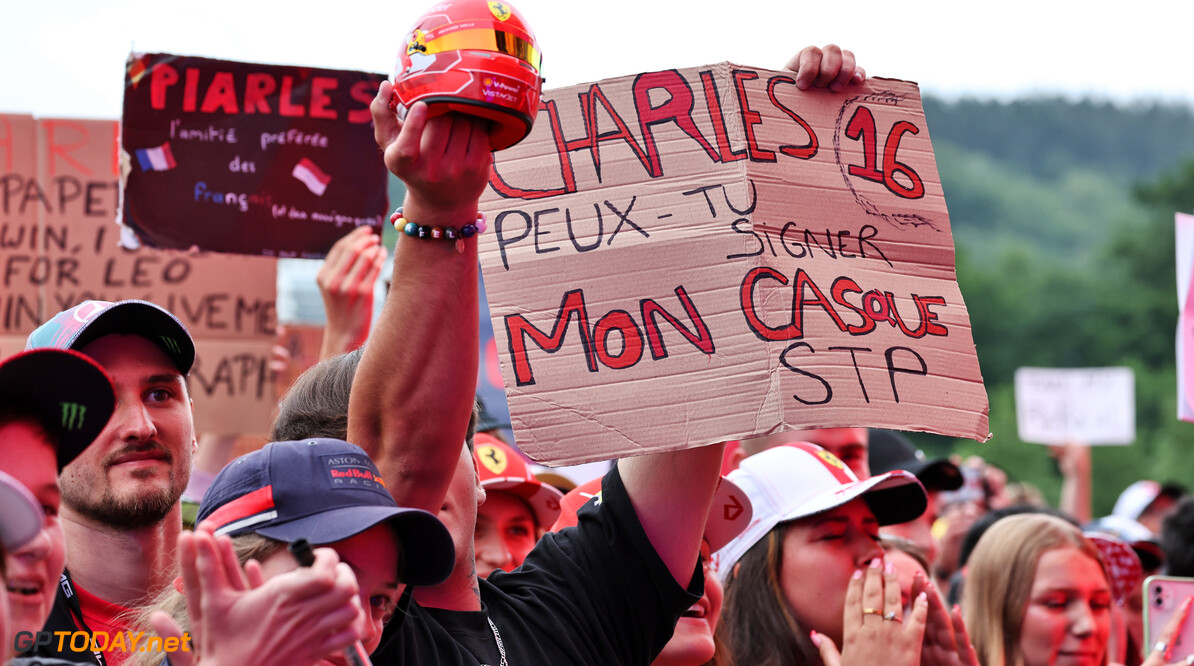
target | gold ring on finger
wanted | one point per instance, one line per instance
(872, 611)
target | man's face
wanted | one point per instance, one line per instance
(459, 510)
(34, 569)
(1154, 514)
(919, 530)
(848, 444)
(136, 470)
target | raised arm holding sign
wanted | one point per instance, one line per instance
(672, 492)
(607, 592)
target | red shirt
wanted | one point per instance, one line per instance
(105, 617)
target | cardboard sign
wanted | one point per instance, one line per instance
(302, 344)
(683, 257)
(1079, 405)
(252, 159)
(1184, 225)
(59, 246)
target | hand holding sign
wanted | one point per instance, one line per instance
(831, 67)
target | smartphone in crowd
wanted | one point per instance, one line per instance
(1163, 597)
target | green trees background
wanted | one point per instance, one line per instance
(1062, 215)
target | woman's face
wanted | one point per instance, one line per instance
(820, 553)
(506, 532)
(373, 555)
(1068, 618)
(34, 569)
(692, 643)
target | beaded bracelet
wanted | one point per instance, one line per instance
(437, 233)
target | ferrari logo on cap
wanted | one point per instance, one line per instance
(500, 10)
(830, 459)
(493, 458)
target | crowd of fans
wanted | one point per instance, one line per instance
(438, 544)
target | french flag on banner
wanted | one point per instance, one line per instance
(156, 159)
(312, 176)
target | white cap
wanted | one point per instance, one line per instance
(20, 514)
(1135, 499)
(798, 480)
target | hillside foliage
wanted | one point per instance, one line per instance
(1062, 214)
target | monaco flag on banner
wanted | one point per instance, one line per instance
(311, 176)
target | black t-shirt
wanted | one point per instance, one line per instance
(595, 594)
(66, 616)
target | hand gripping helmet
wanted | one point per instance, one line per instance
(472, 56)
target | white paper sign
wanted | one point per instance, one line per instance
(1184, 225)
(1081, 405)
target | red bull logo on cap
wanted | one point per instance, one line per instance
(353, 471)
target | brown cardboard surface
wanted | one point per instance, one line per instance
(231, 386)
(59, 245)
(646, 242)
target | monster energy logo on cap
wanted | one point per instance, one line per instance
(170, 343)
(72, 415)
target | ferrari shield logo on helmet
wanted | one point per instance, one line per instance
(500, 11)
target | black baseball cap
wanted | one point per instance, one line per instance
(324, 491)
(890, 450)
(68, 393)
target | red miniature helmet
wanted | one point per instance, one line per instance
(474, 57)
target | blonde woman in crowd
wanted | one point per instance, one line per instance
(1037, 594)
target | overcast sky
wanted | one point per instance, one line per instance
(66, 57)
